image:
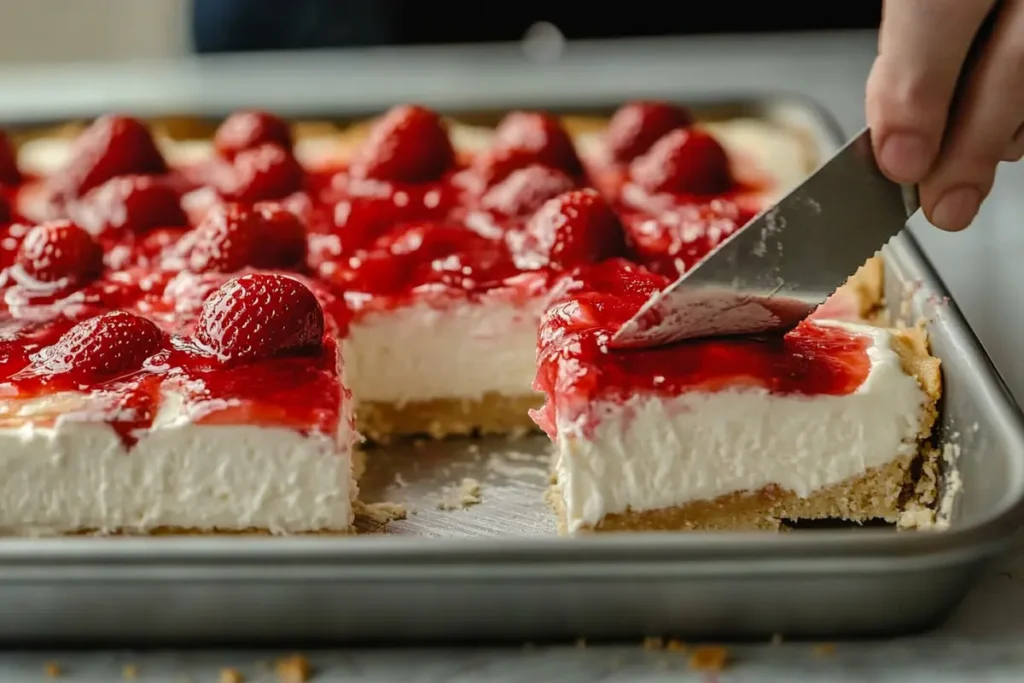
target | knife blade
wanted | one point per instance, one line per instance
(772, 273)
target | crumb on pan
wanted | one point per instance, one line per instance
(709, 658)
(466, 495)
(380, 513)
(293, 669)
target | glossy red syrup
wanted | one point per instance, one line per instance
(671, 184)
(576, 366)
(266, 364)
(152, 288)
(413, 222)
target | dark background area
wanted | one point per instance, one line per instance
(248, 25)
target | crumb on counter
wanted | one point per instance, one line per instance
(709, 658)
(824, 649)
(776, 639)
(231, 675)
(293, 669)
(129, 672)
(581, 643)
(52, 670)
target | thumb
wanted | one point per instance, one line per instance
(921, 50)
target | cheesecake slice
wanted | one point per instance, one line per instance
(445, 243)
(826, 422)
(145, 401)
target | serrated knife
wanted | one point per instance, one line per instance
(773, 272)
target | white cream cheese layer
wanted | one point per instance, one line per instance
(460, 350)
(79, 476)
(651, 452)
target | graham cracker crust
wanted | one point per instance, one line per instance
(440, 418)
(882, 493)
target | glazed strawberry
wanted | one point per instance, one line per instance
(379, 272)
(249, 129)
(541, 134)
(526, 190)
(265, 172)
(112, 146)
(132, 204)
(408, 144)
(686, 161)
(260, 315)
(673, 241)
(60, 251)
(9, 173)
(104, 347)
(636, 126)
(497, 163)
(358, 221)
(283, 237)
(428, 252)
(572, 229)
(234, 236)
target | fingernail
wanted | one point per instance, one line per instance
(956, 208)
(904, 157)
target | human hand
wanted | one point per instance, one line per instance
(930, 124)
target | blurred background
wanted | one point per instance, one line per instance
(48, 31)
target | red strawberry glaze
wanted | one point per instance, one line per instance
(249, 129)
(62, 351)
(408, 220)
(576, 366)
(457, 232)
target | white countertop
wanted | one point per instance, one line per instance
(982, 267)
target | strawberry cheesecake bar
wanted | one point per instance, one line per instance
(158, 377)
(825, 422)
(446, 254)
(195, 336)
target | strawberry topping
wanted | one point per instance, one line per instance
(260, 173)
(685, 161)
(524, 191)
(542, 135)
(250, 129)
(638, 125)
(132, 204)
(576, 366)
(99, 348)
(572, 229)
(113, 145)
(234, 236)
(6, 214)
(258, 316)
(60, 252)
(408, 144)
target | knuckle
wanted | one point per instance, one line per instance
(906, 98)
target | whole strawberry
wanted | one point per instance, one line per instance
(258, 316)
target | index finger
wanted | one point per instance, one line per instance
(921, 51)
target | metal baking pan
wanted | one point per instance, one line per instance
(496, 571)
